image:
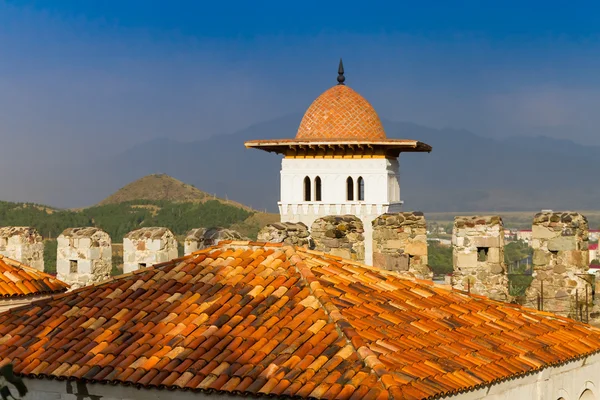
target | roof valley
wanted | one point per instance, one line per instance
(344, 328)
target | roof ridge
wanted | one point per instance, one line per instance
(345, 329)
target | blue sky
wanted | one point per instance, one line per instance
(85, 77)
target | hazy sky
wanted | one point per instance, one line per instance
(84, 78)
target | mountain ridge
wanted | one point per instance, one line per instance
(463, 171)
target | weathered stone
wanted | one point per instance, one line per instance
(290, 233)
(417, 248)
(148, 246)
(83, 256)
(485, 276)
(542, 232)
(340, 235)
(560, 258)
(562, 243)
(400, 243)
(486, 241)
(23, 244)
(496, 268)
(559, 269)
(540, 257)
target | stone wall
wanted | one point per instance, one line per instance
(84, 256)
(213, 236)
(340, 235)
(194, 241)
(560, 261)
(400, 243)
(478, 256)
(290, 233)
(148, 246)
(23, 244)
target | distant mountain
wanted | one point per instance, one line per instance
(162, 187)
(464, 172)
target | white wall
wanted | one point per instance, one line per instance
(568, 381)
(380, 176)
(45, 389)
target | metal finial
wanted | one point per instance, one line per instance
(341, 78)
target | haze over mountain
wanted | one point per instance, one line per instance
(464, 172)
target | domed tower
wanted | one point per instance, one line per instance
(340, 162)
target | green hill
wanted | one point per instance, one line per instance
(162, 187)
(154, 200)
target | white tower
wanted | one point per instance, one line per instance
(340, 162)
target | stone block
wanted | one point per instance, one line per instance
(562, 243)
(344, 253)
(465, 260)
(416, 248)
(493, 255)
(543, 232)
(391, 262)
(485, 241)
(540, 257)
(496, 268)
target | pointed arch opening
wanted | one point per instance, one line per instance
(307, 189)
(361, 189)
(350, 189)
(317, 189)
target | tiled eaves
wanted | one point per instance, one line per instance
(20, 280)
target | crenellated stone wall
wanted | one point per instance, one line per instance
(83, 256)
(194, 241)
(560, 261)
(24, 244)
(290, 233)
(478, 256)
(400, 243)
(148, 246)
(213, 236)
(340, 235)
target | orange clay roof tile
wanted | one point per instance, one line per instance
(289, 322)
(20, 280)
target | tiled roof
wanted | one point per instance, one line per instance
(19, 280)
(248, 318)
(340, 113)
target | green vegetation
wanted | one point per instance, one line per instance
(516, 251)
(439, 258)
(519, 277)
(119, 219)
(50, 246)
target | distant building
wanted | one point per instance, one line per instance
(593, 251)
(524, 235)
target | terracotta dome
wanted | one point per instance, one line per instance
(340, 113)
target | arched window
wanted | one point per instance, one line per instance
(307, 189)
(587, 395)
(317, 189)
(350, 188)
(361, 189)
